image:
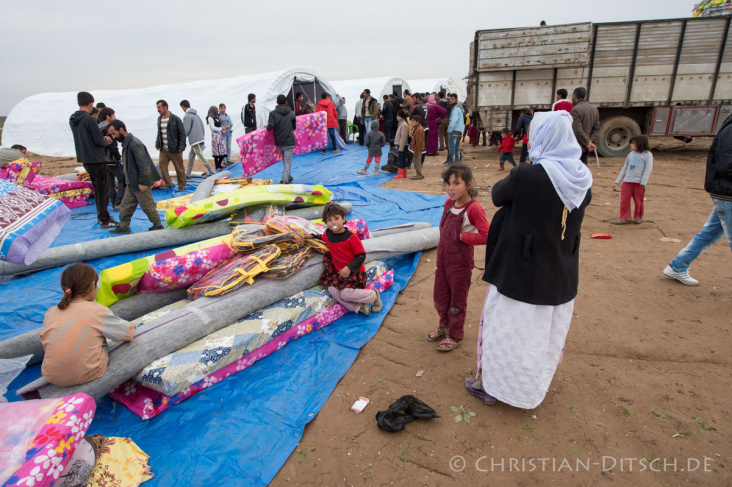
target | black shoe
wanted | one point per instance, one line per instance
(155, 227)
(120, 231)
(109, 224)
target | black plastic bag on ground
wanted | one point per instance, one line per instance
(405, 410)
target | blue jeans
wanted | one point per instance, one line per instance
(454, 146)
(332, 138)
(227, 142)
(718, 224)
(367, 124)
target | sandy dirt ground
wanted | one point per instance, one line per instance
(642, 396)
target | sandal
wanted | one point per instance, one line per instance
(475, 388)
(447, 345)
(377, 304)
(376, 173)
(435, 335)
(362, 172)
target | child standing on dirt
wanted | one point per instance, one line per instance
(463, 225)
(75, 332)
(634, 177)
(507, 145)
(375, 140)
(344, 274)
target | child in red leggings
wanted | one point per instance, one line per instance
(634, 176)
(463, 226)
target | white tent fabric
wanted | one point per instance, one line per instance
(41, 122)
(437, 84)
(351, 89)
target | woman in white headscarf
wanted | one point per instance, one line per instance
(532, 266)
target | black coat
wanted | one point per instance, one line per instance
(718, 180)
(176, 134)
(138, 164)
(282, 121)
(249, 116)
(526, 258)
(88, 139)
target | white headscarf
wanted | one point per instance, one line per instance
(554, 146)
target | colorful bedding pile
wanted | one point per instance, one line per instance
(186, 198)
(29, 223)
(182, 374)
(71, 193)
(218, 206)
(21, 172)
(712, 8)
(258, 150)
(38, 438)
(121, 281)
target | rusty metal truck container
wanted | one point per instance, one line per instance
(658, 77)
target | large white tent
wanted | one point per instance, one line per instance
(41, 122)
(437, 84)
(351, 89)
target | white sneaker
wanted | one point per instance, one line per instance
(682, 277)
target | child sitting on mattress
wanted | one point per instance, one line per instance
(75, 331)
(344, 274)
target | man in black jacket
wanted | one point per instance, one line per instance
(282, 121)
(718, 183)
(171, 142)
(140, 174)
(387, 111)
(249, 114)
(522, 130)
(89, 144)
(115, 172)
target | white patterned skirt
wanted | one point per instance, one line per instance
(218, 148)
(519, 348)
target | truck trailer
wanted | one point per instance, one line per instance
(656, 77)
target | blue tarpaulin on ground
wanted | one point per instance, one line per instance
(241, 430)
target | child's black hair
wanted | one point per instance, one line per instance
(333, 209)
(463, 172)
(76, 280)
(417, 118)
(505, 131)
(391, 143)
(641, 143)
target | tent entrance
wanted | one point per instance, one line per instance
(310, 89)
(397, 90)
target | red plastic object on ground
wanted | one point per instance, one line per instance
(603, 236)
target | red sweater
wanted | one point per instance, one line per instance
(327, 106)
(475, 224)
(343, 253)
(507, 144)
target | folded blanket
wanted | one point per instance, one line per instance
(29, 223)
(21, 172)
(258, 150)
(72, 193)
(38, 438)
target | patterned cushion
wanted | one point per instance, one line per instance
(184, 270)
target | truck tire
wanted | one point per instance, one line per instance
(615, 134)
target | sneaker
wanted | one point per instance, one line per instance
(624, 222)
(109, 224)
(121, 231)
(682, 277)
(377, 305)
(168, 186)
(365, 310)
(501, 169)
(417, 177)
(155, 227)
(638, 220)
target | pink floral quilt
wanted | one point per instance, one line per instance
(147, 403)
(71, 193)
(20, 172)
(258, 150)
(184, 270)
(39, 437)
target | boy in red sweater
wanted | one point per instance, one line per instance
(507, 145)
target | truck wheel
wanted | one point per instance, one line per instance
(615, 135)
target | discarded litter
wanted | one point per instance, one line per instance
(359, 405)
(419, 374)
(603, 236)
(405, 410)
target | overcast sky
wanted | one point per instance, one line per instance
(87, 45)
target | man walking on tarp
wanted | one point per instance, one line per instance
(115, 172)
(171, 142)
(140, 174)
(193, 126)
(718, 183)
(282, 121)
(249, 114)
(89, 144)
